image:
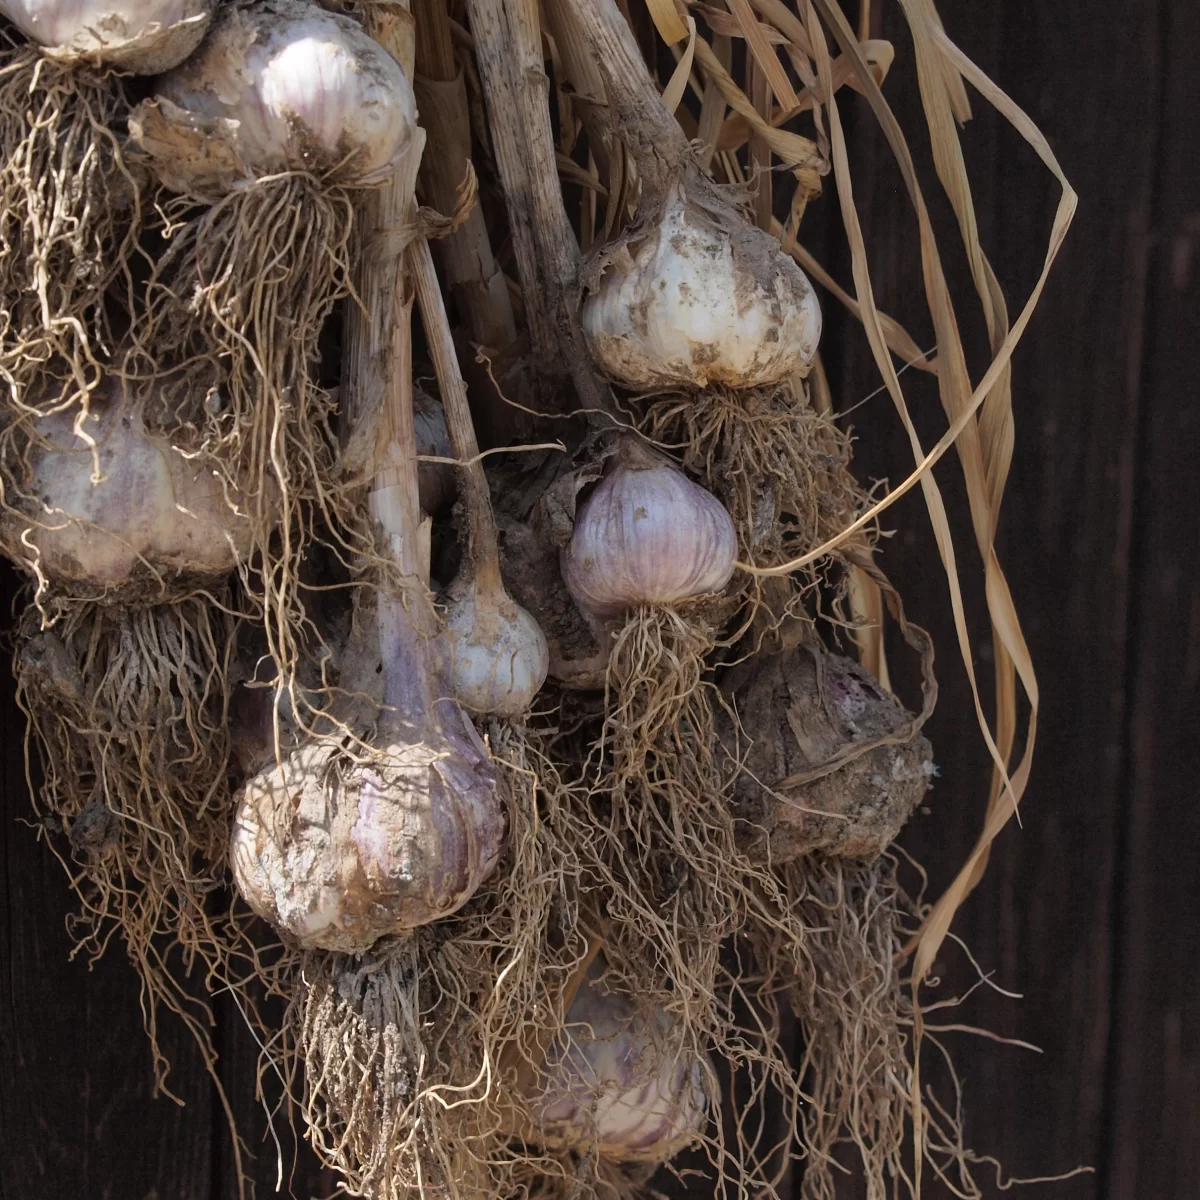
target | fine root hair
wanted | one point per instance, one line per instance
(240, 294)
(70, 212)
(845, 984)
(128, 756)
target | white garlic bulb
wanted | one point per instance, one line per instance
(152, 512)
(281, 86)
(498, 656)
(647, 535)
(143, 36)
(697, 299)
(610, 1083)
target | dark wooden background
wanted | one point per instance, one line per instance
(1091, 910)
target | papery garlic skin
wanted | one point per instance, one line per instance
(152, 512)
(647, 535)
(611, 1085)
(344, 843)
(692, 302)
(281, 86)
(336, 854)
(498, 656)
(143, 36)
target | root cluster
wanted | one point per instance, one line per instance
(129, 726)
(70, 212)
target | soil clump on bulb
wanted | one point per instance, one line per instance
(822, 758)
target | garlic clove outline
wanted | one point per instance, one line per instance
(151, 512)
(342, 842)
(647, 535)
(282, 86)
(142, 36)
(498, 656)
(694, 299)
(337, 851)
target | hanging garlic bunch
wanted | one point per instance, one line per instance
(282, 117)
(616, 1084)
(693, 297)
(72, 205)
(385, 827)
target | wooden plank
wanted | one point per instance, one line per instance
(77, 1117)
(1156, 1043)
(1042, 919)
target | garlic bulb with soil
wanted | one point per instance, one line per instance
(647, 535)
(281, 86)
(696, 297)
(825, 759)
(143, 36)
(613, 1085)
(692, 293)
(346, 842)
(110, 505)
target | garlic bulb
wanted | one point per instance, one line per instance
(699, 298)
(143, 36)
(281, 86)
(498, 657)
(343, 843)
(612, 1084)
(151, 511)
(802, 711)
(647, 535)
(337, 853)
(498, 652)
